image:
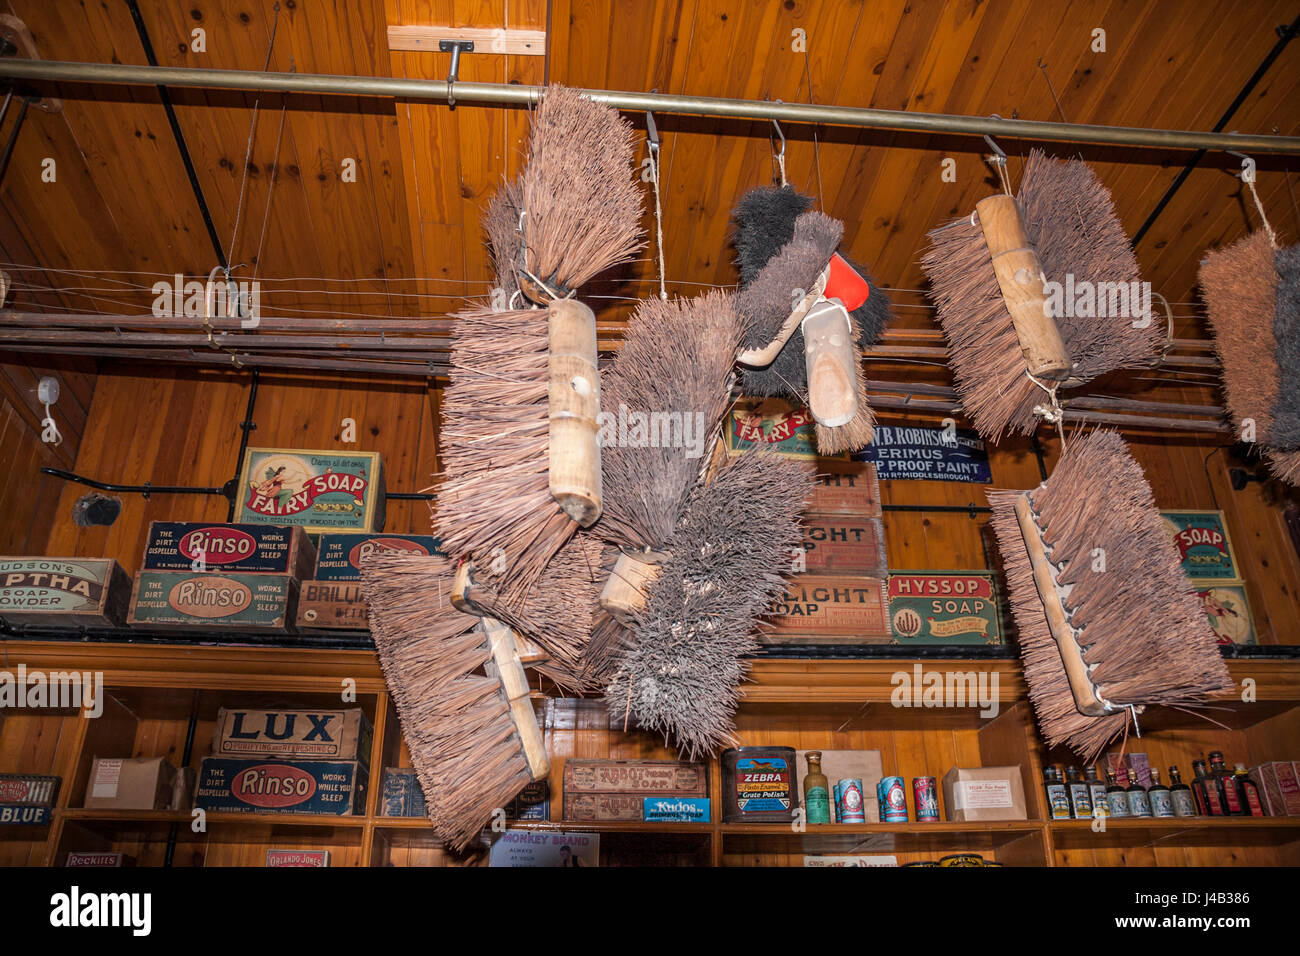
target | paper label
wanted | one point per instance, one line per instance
(981, 794)
(107, 774)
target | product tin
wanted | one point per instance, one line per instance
(758, 784)
(925, 796)
(848, 802)
(339, 556)
(317, 490)
(253, 548)
(961, 859)
(892, 799)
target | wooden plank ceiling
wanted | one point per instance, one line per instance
(404, 239)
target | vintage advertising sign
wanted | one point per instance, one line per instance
(833, 543)
(29, 789)
(1202, 541)
(828, 609)
(180, 599)
(63, 592)
(914, 452)
(232, 785)
(339, 556)
(330, 605)
(772, 425)
(298, 858)
(617, 789)
(317, 490)
(402, 795)
(1228, 612)
(23, 815)
(255, 548)
(943, 607)
(533, 848)
(846, 488)
(323, 734)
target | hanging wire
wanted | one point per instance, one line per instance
(779, 155)
(248, 152)
(652, 146)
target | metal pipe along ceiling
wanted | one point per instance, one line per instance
(508, 94)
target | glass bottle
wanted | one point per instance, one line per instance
(1096, 791)
(816, 791)
(1206, 794)
(1162, 804)
(1226, 786)
(1248, 792)
(1116, 798)
(1080, 795)
(1181, 795)
(1139, 803)
(1058, 798)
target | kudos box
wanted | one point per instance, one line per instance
(321, 734)
(168, 600)
(328, 787)
(63, 592)
(250, 548)
(339, 556)
(319, 491)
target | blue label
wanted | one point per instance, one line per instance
(678, 810)
(24, 816)
(933, 454)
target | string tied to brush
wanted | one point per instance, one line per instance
(1247, 176)
(652, 147)
(1052, 412)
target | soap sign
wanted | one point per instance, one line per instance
(943, 608)
(1201, 538)
(915, 453)
(771, 425)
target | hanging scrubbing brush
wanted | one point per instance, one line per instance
(1108, 622)
(474, 739)
(580, 207)
(1252, 295)
(810, 311)
(667, 388)
(1008, 343)
(680, 671)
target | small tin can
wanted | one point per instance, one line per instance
(893, 800)
(922, 863)
(849, 805)
(962, 859)
(925, 795)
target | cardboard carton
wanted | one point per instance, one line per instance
(134, 783)
(984, 793)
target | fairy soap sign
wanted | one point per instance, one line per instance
(317, 490)
(1203, 546)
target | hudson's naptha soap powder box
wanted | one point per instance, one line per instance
(63, 592)
(317, 490)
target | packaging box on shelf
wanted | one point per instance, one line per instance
(828, 609)
(843, 544)
(330, 787)
(29, 789)
(402, 796)
(532, 803)
(185, 600)
(675, 809)
(984, 793)
(1279, 787)
(837, 765)
(310, 734)
(1133, 766)
(332, 605)
(943, 607)
(339, 555)
(250, 548)
(317, 490)
(63, 592)
(130, 783)
(846, 488)
(616, 789)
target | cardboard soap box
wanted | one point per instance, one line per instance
(1279, 789)
(135, 783)
(980, 794)
(308, 734)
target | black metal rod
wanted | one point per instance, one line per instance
(1197, 156)
(172, 831)
(246, 426)
(177, 135)
(410, 495)
(13, 138)
(146, 489)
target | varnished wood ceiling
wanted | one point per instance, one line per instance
(405, 237)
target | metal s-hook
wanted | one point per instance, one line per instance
(780, 156)
(999, 158)
(1247, 177)
(455, 48)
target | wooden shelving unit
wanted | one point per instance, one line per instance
(160, 696)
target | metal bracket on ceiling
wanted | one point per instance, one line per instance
(17, 41)
(455, 48)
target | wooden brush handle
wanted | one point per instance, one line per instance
(625, 590)
(829, 355)
(573, 391)
(1020, 277)
(761, 358)
(507, 668)
(463, 600)
(1081, 686)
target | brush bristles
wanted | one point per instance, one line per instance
(456, 723)
(857, 434)
(680, 671)
(673, 374)
(1136, 613)
(501, 223)
(495, 439)
(582, 204)
(1286, 332)
(1071, 222)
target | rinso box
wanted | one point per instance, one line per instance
(843, 544)
(616, 789)
(943, 607)
(169, 600)
(332, 605)
(828, 609)
(63, 592)
(339, 556)
(317, 490)
(315, 734)
(329, 787)
(253, 548)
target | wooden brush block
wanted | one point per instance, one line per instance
(829, 354)
(573, 391)
(505, 666)
(1020, 277)
(625, 590)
